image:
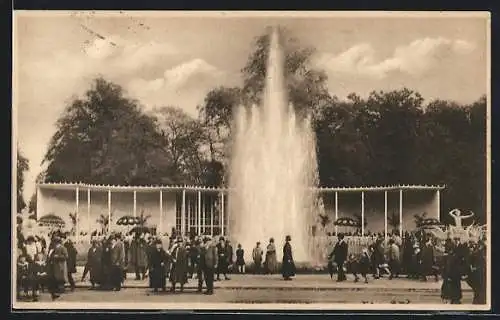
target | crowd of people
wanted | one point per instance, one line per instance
(417, 255)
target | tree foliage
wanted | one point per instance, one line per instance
(394, 137)
(183, 139)
(22, 168)
(103, 138)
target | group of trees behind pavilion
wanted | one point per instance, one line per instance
(393, 137)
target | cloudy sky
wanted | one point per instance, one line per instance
(165, 60)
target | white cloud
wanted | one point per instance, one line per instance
(187, 82)
(46, 84)
(415, 58)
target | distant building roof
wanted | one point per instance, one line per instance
(153, 188)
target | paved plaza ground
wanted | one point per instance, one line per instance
(257, 289)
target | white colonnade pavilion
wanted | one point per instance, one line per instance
(203, 210)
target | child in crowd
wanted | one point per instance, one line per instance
(39, 276)
(23, 276)
(240, 260)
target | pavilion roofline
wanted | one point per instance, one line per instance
(152, 188)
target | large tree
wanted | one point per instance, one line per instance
(183, 140)
(22, 168)
(103, 137)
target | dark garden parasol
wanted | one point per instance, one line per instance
(51, 220)
(347, 222)
(142, 229)
(128, 221)
(429, 222)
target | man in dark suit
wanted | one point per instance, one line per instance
(210, 263)
(222, 259)
(200, 266)
(117, 263)
(340, 256)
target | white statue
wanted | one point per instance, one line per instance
(458, 217)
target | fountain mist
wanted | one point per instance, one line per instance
(273, 168)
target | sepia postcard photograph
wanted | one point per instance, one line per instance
(195, 160)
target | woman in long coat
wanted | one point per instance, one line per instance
(57, 267)
(271, 260)
(427, 261)
(94, 264)
(106, 265)
(71, 262)
(138, 257)
(179, 271)
(157, 266)
(288, 266)
(476, 277)
(451, 289)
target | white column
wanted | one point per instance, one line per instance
(362, 213)
(336, 210)
(161, 213)
(109, 211)
(88, 211)
(438, 204)
(189, 202)
(222, 214)
(77, 225)
(183, 213)
(39, 202)
(135, 203)
(212, 216)
(401, 213)
(385, 215)
(199, 212)
(204, 214)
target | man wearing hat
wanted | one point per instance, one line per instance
(340, 256)
(158, 262)
(208, 263)
(223, 259)
(56, 263)
(179, 270)
(117, 254)
(71, 262)
(94, 264)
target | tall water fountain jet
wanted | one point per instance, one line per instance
(273, 170)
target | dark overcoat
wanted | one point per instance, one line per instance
(57, 264)
(72, 253)
(288, 266)
(138, 254)
(158, 264)
(179, 271)
(94, 264)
